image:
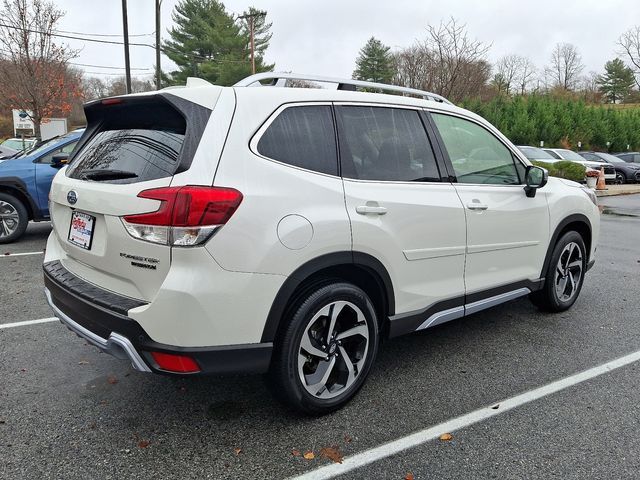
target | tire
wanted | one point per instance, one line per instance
(565, 276)
(14, 218)
(620, 178)
(299, 375)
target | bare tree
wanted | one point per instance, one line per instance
(507, 71)
(590, 88)
(414, 67)
(526, 75)
(447, 62)
(566, 66)
(94, 88)
(629, 43)
(34, 74)
(454, 54)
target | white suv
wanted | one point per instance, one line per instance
(288, 230)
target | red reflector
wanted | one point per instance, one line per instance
(189, 206)
(175, 363)
(111, 101)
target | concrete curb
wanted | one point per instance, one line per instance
(618, 190)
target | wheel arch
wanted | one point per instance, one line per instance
(361, 269)
(16, 187)
(576, 222)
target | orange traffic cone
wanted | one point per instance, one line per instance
(601, 185)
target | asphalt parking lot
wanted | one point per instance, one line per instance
(67, 411)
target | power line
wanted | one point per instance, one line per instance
(110, 73)
(111, 42)
(106, 34)
(105, 66)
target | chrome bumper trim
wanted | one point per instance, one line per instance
(116, 345)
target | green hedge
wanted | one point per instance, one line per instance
(561, 122)
(564, 169)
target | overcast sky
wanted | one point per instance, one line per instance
(324, 37)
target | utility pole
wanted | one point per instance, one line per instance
(125, 27)
(158, 79)
(251, 18)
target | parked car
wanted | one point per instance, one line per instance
(537, 154)
(25, 183)
(625, 172)
(630, 157)
(7, 152)
(213, 229)
(19, 144)
(565, 154)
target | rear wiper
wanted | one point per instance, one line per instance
(106, 174)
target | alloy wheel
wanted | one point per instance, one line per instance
(568, 272)
(333, 349)
(9, 219)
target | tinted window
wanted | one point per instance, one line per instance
(378, 143)
(303, 137)
(142, 154)
(477, 155)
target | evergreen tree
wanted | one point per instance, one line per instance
(207, 42)
(617, 81)
(374, 62)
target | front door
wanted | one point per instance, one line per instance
(507, 232)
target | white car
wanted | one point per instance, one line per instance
(288, 230)
(564, 154)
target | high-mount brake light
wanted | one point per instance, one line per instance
(186, 216)
(111, 101)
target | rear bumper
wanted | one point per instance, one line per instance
(112, 331)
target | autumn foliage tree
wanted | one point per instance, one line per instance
(34, 73)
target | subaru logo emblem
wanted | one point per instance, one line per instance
(72, 197)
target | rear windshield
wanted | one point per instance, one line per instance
(138, 145)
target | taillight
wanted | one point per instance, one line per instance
(186, 216)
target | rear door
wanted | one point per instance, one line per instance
(131, 145)
(401, 211)
(507, 232)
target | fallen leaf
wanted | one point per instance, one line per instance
(93, 425)
(83, 362)
(23, 369)
(408, 476)
(309, 455)
(332, 453)
(144, 443)
(104, 402)
(295, 453)
(237, 450)
(445, 437)
(495, 407)
(348, 439)
(112, 379)
(3, 421)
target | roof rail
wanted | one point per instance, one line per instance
(278, 79)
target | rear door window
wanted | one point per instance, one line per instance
(385, 144)
(302, 136)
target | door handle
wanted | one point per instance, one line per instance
(366, 209)
(477, 206)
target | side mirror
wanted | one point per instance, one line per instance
(535, 178)
(59, 160)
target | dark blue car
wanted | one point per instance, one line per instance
(25, 183)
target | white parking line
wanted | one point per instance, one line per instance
(28, 322)
(431, 433)
(7, 255)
